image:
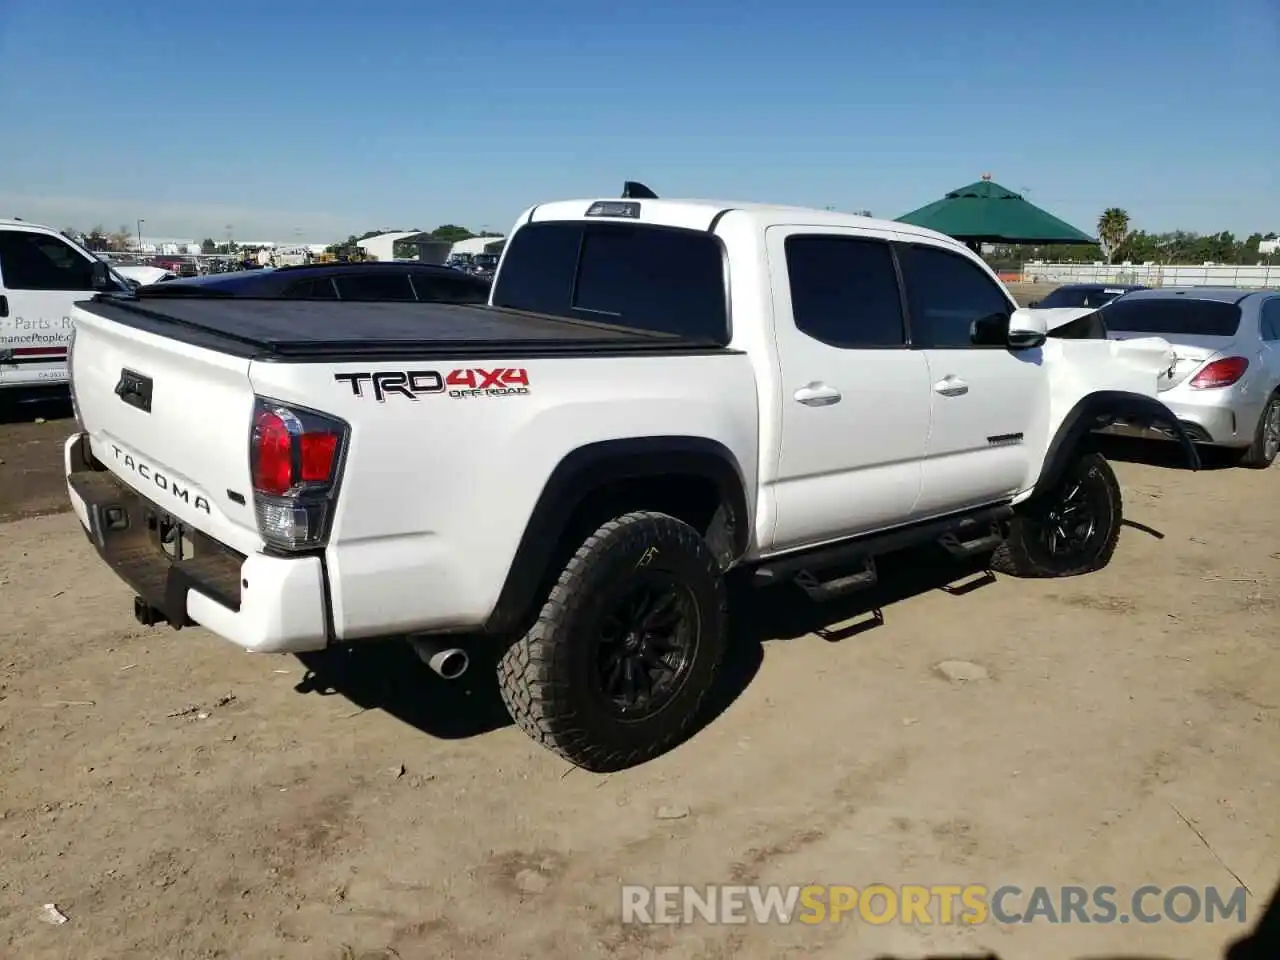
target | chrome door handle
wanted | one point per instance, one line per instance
(817, 395)
(951, 386)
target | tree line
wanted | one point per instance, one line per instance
(1119, 243)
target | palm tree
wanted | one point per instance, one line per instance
(1113, 228)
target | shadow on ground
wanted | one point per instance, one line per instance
(27, 406)
(389, 676)
(1262, 943)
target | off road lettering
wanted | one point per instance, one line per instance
(151, 475)
(498, 382)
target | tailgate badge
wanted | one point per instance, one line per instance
(134, 389)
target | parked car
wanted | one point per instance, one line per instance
(1225, 384)
(387, 280)
(484, 265)
(659, 392)
(42, 274)
(1084, 295)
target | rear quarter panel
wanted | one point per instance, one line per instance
(436, 492)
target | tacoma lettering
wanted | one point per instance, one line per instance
(151, 475)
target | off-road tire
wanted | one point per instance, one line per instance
(1024, 555)
(547, 677)
(1256, 455)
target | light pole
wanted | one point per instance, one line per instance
(140, 223)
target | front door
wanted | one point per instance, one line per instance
(985, 397)
(41, 276)
(854, 398)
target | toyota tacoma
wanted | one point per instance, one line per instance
(659, 394)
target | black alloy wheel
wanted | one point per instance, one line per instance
(648, 637)
(1072, 529)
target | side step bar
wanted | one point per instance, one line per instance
(962, 535)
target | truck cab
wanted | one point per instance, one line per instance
(42, 273)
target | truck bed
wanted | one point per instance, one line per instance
(320, 330)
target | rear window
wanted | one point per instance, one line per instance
(374, 286)
(655, 279)
(1065, 297)
(1169, 316)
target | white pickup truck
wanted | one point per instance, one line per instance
(42, 274)
(658, 394)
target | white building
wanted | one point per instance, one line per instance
(382, 247)
(478, 245)
(1269, 247)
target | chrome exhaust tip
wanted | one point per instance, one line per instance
(447, 662)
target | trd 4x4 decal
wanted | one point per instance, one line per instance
(458, 384)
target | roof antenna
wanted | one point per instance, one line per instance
(632, 190)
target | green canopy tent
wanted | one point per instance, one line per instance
(985, 212)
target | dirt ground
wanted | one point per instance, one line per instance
(177, 798)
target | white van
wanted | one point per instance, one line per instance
(42, 274)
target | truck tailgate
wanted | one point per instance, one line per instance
(172, 420)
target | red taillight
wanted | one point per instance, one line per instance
(1220, 373)
(272, 454)
(319, 450)
(277, 435)
(293, 456)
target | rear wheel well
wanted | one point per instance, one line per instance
(693, 498)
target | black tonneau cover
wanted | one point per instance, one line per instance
(298, 330)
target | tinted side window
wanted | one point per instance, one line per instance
(35, 261)
(374, 286)
(844, 291)
(946, 293)
(318, 288)
(649, 278)
(1271, 319)
(441, 288)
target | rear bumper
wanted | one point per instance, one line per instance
(32, 375)
(261, 603)
(1210, 423)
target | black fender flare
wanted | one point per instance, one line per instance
(1101, 409)
(592, 467)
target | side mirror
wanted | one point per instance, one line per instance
(1027, 329)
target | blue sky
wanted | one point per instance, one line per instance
(319, 119)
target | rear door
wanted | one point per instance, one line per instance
(855, 398)
(41, 276)
(984, 396)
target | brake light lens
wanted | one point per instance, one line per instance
(294, 458)
(1220, 373)
(273, 449)
(319, 451)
